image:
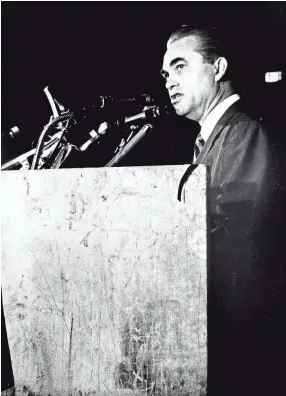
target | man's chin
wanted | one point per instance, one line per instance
(183, 111)
(180, 111)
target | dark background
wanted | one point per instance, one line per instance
(82, 50)
(86, 49)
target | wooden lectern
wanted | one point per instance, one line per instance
(104, 280)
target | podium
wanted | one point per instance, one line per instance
(104, 280)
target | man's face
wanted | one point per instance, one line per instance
(189, 81)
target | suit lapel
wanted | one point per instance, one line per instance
(221, 124)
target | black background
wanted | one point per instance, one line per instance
(85, 49)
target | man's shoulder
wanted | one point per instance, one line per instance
(242, 120)
(243, 114)
(243, 126)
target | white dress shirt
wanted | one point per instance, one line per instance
(214, 116)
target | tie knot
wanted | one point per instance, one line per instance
(198, 146)
(200, 139)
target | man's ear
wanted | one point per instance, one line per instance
(220, 67)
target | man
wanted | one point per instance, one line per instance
(244, 308)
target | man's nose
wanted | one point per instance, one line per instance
(171, 83)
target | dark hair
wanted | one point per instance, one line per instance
(210, 44)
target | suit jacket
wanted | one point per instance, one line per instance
(246, 276)
(243, 204)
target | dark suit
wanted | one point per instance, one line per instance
(246, 275)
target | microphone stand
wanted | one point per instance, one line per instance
(144, 131)
(52, 154)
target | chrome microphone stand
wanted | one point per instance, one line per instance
(123, 151)
(52, 153)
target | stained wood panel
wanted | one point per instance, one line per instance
(104, 281)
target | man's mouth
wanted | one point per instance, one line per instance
(175, 98)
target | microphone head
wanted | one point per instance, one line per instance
(142, 99)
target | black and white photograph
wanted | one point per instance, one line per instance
(143, 198)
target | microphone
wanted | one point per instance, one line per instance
(109, 104)
(103, 102)
(95, 135)
(150, 113)
(13, 132)
(142, 99)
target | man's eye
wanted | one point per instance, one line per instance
(180, 66)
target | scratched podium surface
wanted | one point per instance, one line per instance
(104, 278)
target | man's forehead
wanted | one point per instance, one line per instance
(184, 47)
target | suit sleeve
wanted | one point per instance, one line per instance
(243, 205)
(247, 174)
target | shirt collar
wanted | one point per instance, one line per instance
(214, 116)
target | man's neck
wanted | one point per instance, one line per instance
(218, 99)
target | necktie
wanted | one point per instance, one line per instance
(198, 146)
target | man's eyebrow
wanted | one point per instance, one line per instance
(176, 60)
(172, 63)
